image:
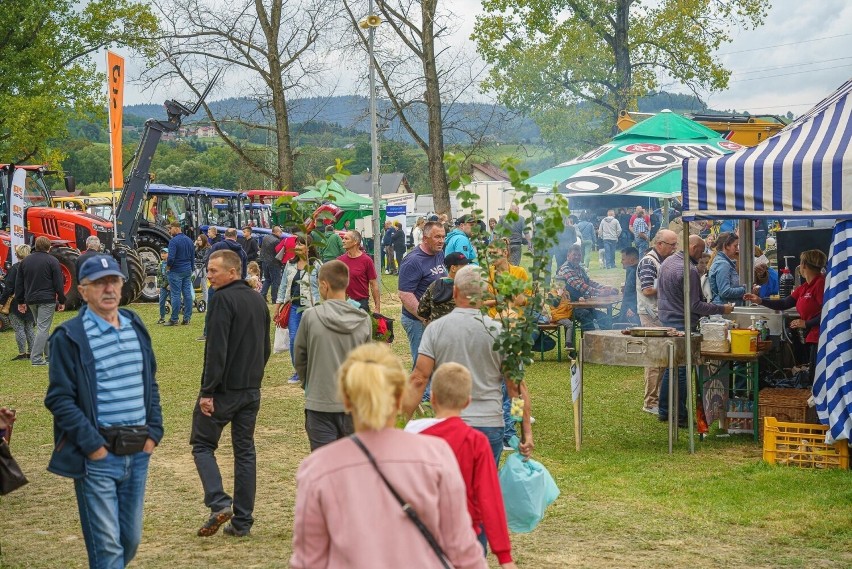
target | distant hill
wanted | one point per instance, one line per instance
(350, 114)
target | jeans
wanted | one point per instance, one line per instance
(164, 294)
(515, 251)
(181, 286)
(609, 252)
(414, 330)
(239, 408)
(293, 327)
(508, 423)
(324, 428)
(271, 278)
(43, 316)
(591, 319)
(110, 499)
(389, 259)
(495, 439)
(24, 328)
(664, 395)
(588, 247)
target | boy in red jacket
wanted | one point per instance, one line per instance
(451, 384)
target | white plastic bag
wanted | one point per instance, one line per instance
(282, 340)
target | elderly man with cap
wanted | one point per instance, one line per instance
(106, 413)
(458, 240)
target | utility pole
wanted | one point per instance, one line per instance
(370, 23)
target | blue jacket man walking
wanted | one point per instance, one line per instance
(106, 411)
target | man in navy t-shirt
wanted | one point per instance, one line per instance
(423, 265)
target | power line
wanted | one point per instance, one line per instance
(788, 74)
(784, 44)
(760, 69)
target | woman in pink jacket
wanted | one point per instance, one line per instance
(346, 516)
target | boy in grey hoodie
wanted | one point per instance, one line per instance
(327, 333)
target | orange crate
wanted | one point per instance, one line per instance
(802, 445)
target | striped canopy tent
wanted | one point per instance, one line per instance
(804, 171)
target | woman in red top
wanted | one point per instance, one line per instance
(807, 298)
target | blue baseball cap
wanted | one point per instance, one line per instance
(99, 266)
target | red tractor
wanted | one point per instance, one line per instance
(66, 229)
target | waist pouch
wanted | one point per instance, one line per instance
(125, 439)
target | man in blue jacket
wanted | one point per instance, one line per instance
(106, 413)
(458, 240)
(180, 263)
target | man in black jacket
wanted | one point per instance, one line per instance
(40, 286)
(234, 360)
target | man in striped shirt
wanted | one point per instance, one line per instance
(106, 409)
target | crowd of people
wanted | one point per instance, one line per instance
(104, 396)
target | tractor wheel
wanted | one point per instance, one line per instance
(67, 258)
(135, 278)
(148, 246)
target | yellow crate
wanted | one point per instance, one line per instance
(802, 445)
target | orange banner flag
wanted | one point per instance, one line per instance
(115, 84)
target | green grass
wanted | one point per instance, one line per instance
(625, 502)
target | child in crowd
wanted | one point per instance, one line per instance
(253, 276)
(438, 300)
(163, 284)
(451, 387)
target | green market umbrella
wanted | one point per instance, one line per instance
(354, 206)
(643, 161)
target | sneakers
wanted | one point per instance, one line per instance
(230, 530)
(507, 448)
(184, 322)
(21, 357)
(201, 339)
(215, 521)
(681, 423)
(652, 410)
(161, 321)
(294, 379)
(171, 323)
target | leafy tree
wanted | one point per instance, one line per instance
(47, 70)
(574, 64)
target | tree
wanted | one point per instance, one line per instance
(556, 58)
(47, 70)
(270, 46)
(421, 76)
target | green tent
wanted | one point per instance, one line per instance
(644, 160)
(354, 206)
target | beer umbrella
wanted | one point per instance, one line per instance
(643, 161)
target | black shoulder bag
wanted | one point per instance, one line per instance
(406, 507)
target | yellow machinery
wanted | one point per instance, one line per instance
(747, 130)
(101, 206)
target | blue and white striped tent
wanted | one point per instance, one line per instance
(804, 170)
(833, 379)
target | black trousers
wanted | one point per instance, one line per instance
(239, 408)
(324, 428)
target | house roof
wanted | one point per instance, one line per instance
(390, 183)
(490, 172)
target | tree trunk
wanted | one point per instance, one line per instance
(432, 96)
(623, 66)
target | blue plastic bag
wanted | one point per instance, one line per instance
(528, 489)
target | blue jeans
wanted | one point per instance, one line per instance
(271, 278)
(509, 424)
(414, 330)
(164, 294)
(110, 498)
(664, 395)
(609, 253)
(293, 327)
(495, 439)
(181, 285)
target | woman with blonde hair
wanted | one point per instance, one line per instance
(22, 324)
(348, 512)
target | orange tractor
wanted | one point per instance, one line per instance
(67, 230)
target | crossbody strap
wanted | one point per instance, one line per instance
(406, 507)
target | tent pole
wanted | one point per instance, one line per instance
(746, 262)
(687, 320)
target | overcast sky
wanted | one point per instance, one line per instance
(798, 57)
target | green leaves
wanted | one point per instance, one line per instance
(47, 70)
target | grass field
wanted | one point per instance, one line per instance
(625, 502)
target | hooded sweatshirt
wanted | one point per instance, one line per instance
(609, 229)
(327, 333)
(458, 242)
